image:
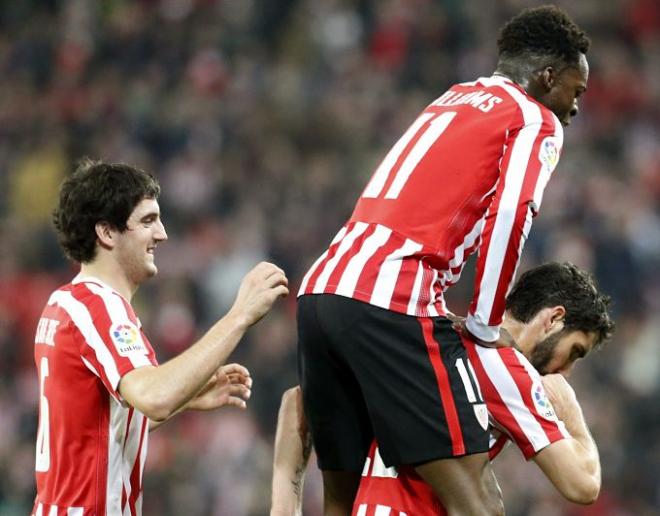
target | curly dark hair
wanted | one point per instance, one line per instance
(564, 284)
(543, 31)
(98, 191)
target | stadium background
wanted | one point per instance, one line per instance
(263, 119)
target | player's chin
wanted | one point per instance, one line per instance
(151, 270)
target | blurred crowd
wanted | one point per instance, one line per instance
(263, 119)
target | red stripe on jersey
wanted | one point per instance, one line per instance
(444, 387)
(525, 382)
(340, 267)
(136, 474)
(367, 281)
(496, 405)
(320, 267)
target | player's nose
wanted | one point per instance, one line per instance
(160, 234)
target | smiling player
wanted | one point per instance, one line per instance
(101, 388)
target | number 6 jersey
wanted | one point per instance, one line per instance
(467, 175)
(91, 446)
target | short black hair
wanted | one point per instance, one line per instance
(564, 284)
(543, 31)
(98, 192)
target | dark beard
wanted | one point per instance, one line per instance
(544, 351)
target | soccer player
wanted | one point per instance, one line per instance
(557, 317)
(101, 388)
(377, 354)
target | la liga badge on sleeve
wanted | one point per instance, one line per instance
(127, 339)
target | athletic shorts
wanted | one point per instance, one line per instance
(368, 372)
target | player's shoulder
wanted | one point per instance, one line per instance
(94, 297)
(504, 359)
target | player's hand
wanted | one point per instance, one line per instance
(230, 385)
(260, 288)
(505, 340)
(561, 395)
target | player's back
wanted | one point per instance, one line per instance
(436, 182)
(90, 446)
(474, 163)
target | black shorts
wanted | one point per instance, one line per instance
(368, 372)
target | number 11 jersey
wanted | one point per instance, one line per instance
(468, 175)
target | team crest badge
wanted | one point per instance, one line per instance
(126, 338)
(481, 412)
(549, 153)
(541, 401)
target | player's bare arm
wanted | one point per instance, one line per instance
(572, 465)
(159, 392)
(230, 386)
(293, 446)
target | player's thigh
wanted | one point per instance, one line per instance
(332, 399)
(423, 400)
(465, 485)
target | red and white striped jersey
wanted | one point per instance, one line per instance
(518, 408)
(467, 175)
(91, 447)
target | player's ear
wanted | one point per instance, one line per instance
(105, 234)
(554, 318)
(548, 77)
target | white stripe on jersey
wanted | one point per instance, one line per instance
(514, 178)
(343, 248)
(114, 481)
(389, 274)
(39, 511)
(500, 376)
(81, 317)
(305, 281)
(75, 511)
(382, 510)
(130, 452)
(459, 257)
(53, 510)
(430, 306)
(545, 174)
(362, 510)
(351, 274)
(414, 295)
(117, 313)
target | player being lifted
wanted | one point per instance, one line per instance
(101, 388)
(377, 354)
(557, 317)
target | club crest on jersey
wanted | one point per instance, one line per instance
(481, 412)
(126, 338)
(549, 153)
(541, 401)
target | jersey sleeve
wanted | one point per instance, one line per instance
(112, 343)
(516, 400)
(531, 154)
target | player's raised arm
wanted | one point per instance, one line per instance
(572, 465)
(160, 391)
(292, 448)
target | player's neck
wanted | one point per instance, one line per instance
(520, 332)
(516, 71)
(109, 273)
